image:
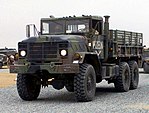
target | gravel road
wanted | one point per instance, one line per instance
(107, 100)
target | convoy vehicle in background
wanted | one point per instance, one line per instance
(146, 60)
(76, 53)
(7, 56)
(3, 60)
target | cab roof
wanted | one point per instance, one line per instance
(74, 18)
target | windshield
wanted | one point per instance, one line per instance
(53, 27)
(77, 26)
(65, 26)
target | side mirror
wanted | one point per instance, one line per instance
(31, 31)
(28, 31)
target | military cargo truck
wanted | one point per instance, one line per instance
(145, 64)
(76, 53)
(7, 56)
(3, 60)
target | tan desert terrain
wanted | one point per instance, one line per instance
(7, 79)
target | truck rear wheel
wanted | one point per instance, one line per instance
(134, 72)
(28, 87)
(122, 82)
(85, 83)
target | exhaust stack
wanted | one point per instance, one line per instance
(106, 38)
(106, 25)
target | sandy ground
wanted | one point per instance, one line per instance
(7, 79)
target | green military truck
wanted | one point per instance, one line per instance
(145, 58)
(76, 53)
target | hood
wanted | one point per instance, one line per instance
(57, 38)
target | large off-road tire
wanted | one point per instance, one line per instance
(122, 82)
(28, 86)
(134, 72)
(146, 67)
(85, 83)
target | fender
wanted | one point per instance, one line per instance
(93, 59)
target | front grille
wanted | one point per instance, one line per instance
(42, 51)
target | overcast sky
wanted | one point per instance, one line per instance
(131, 15)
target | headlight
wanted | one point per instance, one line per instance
(63, 52)
(23, 53)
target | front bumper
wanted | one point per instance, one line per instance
(52, 69)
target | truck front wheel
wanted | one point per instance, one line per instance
(85, 83)
(28, 86)
(122, 82)
(134, 71)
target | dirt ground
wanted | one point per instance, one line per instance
(7, 79)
